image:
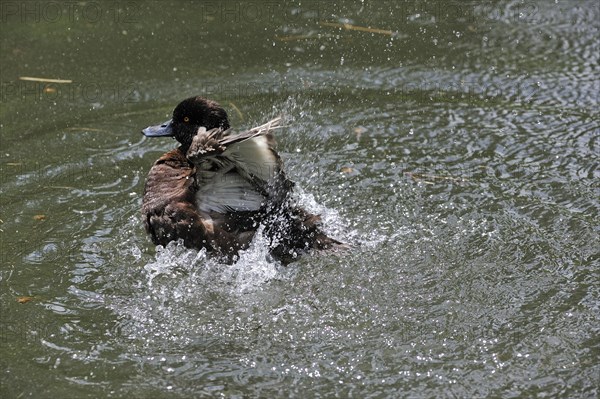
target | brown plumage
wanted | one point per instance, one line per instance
(218, 187)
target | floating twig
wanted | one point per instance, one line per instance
(45, 80)
(357, 28)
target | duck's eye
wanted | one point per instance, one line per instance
(186, 119)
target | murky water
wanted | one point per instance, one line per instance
(455, 144)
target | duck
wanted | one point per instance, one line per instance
(218, 188)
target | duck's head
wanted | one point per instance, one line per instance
(189, 115)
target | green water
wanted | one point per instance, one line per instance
(454, 144)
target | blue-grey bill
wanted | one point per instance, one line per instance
(162, 130)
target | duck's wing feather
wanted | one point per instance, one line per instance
(239, 171)
(226, 190)
(258, 162)
(230, 138)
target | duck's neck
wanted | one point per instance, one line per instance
(183, 148)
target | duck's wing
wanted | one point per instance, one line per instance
(254, 151)
(257, 161)
(239, 171)
(223, 189)
(230, 138)
(207, 143)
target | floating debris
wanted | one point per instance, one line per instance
(358, 28)
(39, 217)
(358, 131)
(24, 299)
(45, 80)
(347, 170)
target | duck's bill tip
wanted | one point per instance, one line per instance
(162, 130)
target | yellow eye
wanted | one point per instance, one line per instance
(186, 119)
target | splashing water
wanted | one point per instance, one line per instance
(182, 295)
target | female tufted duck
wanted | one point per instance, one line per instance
(218, 187)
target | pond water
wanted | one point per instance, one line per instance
(454, 144)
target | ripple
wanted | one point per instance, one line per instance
(458, 156)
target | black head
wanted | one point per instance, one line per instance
(189, 115)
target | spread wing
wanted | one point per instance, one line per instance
(238, 171)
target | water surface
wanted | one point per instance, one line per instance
(454, 144)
